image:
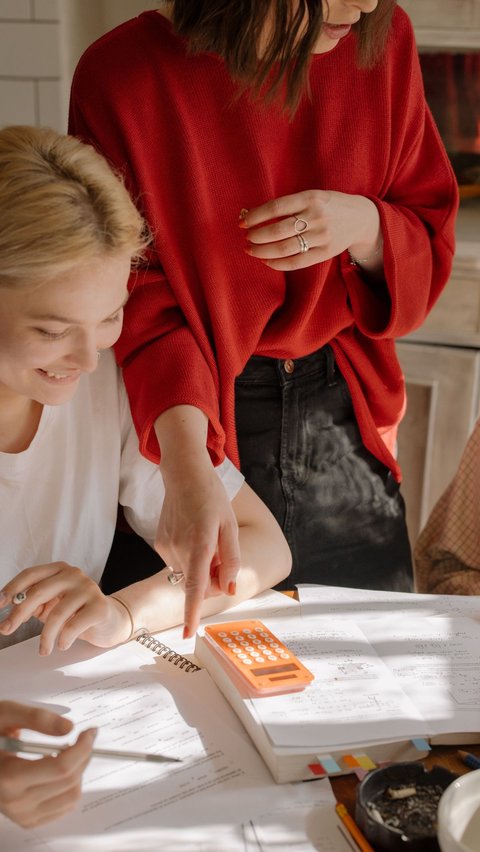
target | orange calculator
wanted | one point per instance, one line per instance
(250, 650)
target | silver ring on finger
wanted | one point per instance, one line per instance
(303, 243)
(300, 224)
(174, 577)
(19, 598)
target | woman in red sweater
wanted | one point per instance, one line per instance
(302, 208)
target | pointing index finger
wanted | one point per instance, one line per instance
(196, 583)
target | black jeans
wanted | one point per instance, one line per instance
(301, 452)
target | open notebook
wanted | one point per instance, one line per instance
(144, 697)
(393, 672)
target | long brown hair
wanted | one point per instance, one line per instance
(233, 29)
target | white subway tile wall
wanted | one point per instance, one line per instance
(30, 66)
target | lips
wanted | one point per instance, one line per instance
(336, 31)
(58, 378)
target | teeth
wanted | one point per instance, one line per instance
(56, 375)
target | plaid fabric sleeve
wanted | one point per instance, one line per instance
(447, 553)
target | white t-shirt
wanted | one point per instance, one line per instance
(59, 497)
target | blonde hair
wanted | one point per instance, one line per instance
(61, 205)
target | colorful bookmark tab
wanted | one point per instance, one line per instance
(365, 761)
(329, 764)
(351, 761)
(316, 769)
(421, 744)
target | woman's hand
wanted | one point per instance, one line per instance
(33, 792)
(197, 532)
(70, 605)
(198, 535)
(300, 230)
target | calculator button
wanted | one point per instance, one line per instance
(275, 644)
(256, 641)
(246, 630)
(242, 656)
(247, 662)
(285, 656)
(235, 633)
(262, 647)
(260, 659)
(227, 640)
(249, 648)
(254, 653)
(236, 650)
(222, 633)
(271, 657)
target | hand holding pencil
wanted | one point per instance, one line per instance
(16, 746)
(40, 790)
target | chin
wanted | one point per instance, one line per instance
(55, 396)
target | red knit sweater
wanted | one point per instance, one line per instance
(194, 153)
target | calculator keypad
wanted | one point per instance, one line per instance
(254, 645)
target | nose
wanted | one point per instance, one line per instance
(84, 355)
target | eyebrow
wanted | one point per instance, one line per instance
(72, 320)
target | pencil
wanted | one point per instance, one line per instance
(353, 828)
(10, 744)
(470, 759)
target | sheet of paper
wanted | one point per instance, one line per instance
(202, 838)
(437, 662)
(307, 823)
(367, 603)
(141, 702)
(431, 644)
(353, 699)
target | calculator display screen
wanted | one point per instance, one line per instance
(290, 667)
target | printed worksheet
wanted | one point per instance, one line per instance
(437, 662)
(143, 703)
(355, 604)
(430, 643)
(308, 823)
(353, 699)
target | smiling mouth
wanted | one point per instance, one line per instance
(62, 378)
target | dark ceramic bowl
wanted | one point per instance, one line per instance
(381, 835)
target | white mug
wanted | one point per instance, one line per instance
(459, 815)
